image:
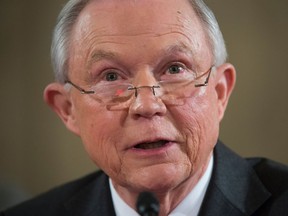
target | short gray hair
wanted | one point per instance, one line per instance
(68, 17)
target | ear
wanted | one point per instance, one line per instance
(59, 100)
(226, 79)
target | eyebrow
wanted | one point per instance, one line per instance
(179, 47)
(99, 55)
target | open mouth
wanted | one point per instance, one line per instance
(151, 145)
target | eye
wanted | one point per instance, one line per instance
(111, 76)
(175, 69)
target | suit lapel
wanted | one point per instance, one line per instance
(234, 188)
(95, 199)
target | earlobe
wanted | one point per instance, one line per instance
(226, 79)
(58, 99)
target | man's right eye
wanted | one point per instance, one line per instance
(175, 69)
(111, 76)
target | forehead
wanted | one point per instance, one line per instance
(133, 24)
(150, 12)
(136, 17)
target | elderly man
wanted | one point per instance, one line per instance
(145, 84)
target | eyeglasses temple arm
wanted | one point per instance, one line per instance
(207, 79)
(83, 91)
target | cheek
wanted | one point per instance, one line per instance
(200, 127)
(99, 131)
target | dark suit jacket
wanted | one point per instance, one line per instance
(238, 187)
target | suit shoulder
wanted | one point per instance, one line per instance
(273, 175)
(51, 202)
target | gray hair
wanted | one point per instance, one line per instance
(68, 17)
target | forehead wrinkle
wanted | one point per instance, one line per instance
(131, 34)
(147, 29)
(100, 54)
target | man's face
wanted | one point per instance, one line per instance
(141, 40)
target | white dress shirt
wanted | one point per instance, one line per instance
(189, 206)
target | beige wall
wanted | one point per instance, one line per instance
(36, 150)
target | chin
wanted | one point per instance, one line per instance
(159, 179)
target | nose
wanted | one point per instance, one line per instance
(146, 103)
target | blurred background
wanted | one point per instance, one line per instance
(37, 152)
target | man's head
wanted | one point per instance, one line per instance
(71, 11)
(150, 142)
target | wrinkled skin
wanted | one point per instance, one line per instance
(135, 37)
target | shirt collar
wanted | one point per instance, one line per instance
(190, 205)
